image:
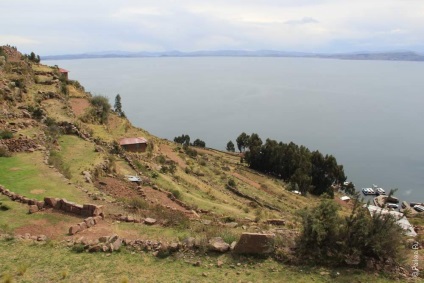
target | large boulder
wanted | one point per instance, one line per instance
(217, 244)
(255, 243)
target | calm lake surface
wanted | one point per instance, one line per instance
(368, 114)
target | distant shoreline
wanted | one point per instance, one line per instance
(382, 56)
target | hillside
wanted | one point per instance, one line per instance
(88, 222)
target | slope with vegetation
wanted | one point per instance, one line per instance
(57, 140)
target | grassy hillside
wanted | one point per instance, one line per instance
(187, 192)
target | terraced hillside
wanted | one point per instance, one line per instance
(157, 230)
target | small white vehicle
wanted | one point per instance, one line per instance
(133, 178)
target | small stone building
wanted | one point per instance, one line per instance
(134, 144)
(64, 72)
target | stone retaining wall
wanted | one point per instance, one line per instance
(89, 210)
(87, 223)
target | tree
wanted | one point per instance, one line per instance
(199, 143)
(230, 146)
(183, 139)
(242, 141)
(118, 106)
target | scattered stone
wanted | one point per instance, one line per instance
(217, 244)
(219, 263)
(149, 221)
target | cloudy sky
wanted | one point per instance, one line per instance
(51, 27)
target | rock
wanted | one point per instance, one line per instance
(149, 221)
(197, 263)
(89, 221)
(233, 245)
(42, 238)
(219, 263)
(204, 274)
(189, 242)
(103, 239)
(33, 209)
(51, 202)
(217, 244)
(173, 247)
(40, 204)
(206, 222)
(231, 224)
(278, 222)
(113, 238)
(116, 245)
(255, 243)
(95, 248)
(74, 229)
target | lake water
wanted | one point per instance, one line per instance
(368, 114)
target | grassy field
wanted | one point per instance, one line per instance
(26, 174)
(51, 262)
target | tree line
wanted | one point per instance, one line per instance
(306, 170)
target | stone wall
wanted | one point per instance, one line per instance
(88, 210)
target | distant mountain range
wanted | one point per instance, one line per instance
(394, 56)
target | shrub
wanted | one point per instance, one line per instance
(101, 108)
(329, 238)
(77, 248)
(4, 151)
(176, 193)
(231, 183)
(138, 203)
(5, 134)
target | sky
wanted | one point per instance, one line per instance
(52, 27)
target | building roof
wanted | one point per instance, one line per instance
(63, 70)
(126, 141)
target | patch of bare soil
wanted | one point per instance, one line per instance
(117, 188)
(121, 189)
(37, 191)
(171, 154)
(14, 169)
(79, 105)
(58, 230)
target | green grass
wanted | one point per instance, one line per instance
(78, 154)
(26, 174)
(54, 263)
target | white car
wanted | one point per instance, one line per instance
(133, 178)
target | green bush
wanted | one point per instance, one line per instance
(176, 193)
(5, 134)
(101, 108)
(329, 238)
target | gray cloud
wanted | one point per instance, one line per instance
(57, 27)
